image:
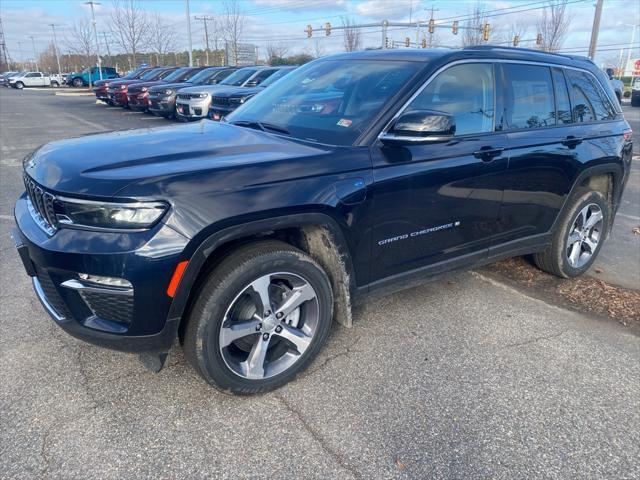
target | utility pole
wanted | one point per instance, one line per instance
(186, 3)
(205, 19)
(106, 42)
(35, 56)
(595, 30)
(95, 34)
(4, 56)
(20, 52)
(55, 47)
(633, 37)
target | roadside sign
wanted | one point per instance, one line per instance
(247, 54)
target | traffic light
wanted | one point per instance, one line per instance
(386, 42)
(309, 31)
(516, 40)
(454, 27)
(424, 43)
(539, 39)
(485, 32)
(407, 41)
(432, 25)
(327, 29)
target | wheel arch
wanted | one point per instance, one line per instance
(318, 234)
(595, 177)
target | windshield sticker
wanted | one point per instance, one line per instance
(418, 233)
(344, 122)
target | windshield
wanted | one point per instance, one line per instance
(276, 76)
(203, 75)
(239, 77)
(151, 74)
(178, 74)
(328, 101)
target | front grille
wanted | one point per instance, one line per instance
(188, 96)
(41, 206)
(51, 293)
(115, 307)
(220, 101)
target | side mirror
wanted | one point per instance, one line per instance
(419, 127)
(610, 73)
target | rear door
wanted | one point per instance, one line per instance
(438, 203)
(549, 143)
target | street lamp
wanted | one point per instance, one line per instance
(95, 34)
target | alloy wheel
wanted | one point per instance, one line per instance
(584, 235)
(269, 325)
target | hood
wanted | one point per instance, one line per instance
(102, 164)
(124, 82)
(139, 85)
(162, 86)
(204, 89)
(101, 83)
(238, 91)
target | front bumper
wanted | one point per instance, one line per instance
(138, 101)
(161, 105)
(118, 98)
(136, 320)
(192, 110)
(218, 112)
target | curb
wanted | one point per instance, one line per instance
(74, 94)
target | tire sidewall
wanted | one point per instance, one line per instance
(19, 85)
(216, 299)
(77, 82)
(567, 223)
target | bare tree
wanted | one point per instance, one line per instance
(351, 39)
(553, 25)
(80, 40)
(472, 33)
(275, 51)
(233, 25)
(318, 49)
(130, 26)
(162, 38)
(518, 29)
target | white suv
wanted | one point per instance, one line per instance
(193, 103)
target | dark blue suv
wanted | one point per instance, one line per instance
(357, 173)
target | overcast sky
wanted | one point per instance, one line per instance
(284, 21)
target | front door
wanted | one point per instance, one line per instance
(437, 204)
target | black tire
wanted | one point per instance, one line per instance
(19, 85)
(555, 259)
(77, 82)
(218, 294)
(54, 84)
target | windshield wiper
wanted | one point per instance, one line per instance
(265, 127)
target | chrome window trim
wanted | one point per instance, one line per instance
(386, 128)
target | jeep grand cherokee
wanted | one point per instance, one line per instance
(355, 174)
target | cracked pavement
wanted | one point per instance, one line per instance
(465, 378)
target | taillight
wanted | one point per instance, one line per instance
(627, 134)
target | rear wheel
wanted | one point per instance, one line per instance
(259, 319)
(54, 84)
(578, 238)
(77, 82)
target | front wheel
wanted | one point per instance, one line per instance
(259, 318)
(54, 84)
(19, 85)
(77, 82)
(576, 242)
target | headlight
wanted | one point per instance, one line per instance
(202, 95)
(122, 87)
(109, 215)
(167, 92)
(237, 99)
(143, 89)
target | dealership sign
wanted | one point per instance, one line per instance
(247, 54)
(633, 68)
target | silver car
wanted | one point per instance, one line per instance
(193, 103)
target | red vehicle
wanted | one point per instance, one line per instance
(138, 93)
(117, 91)
(100, 87)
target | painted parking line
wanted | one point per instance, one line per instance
(151, 118)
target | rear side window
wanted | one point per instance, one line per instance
(563, 105)
(530, 102)
(465, 92)
(589, 102)
(263, 75)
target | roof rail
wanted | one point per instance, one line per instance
(516, 49)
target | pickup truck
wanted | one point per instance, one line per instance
(34, 79)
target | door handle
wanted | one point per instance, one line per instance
(486, 154)
(572, 141)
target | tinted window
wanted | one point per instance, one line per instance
(263, 75)
(464, 91)
(328, 101)
(178, 74)
(563, 105)
(529, 97)
(588, 104)
(276, 76)
(239, 77)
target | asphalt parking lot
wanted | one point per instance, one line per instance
(464, 378)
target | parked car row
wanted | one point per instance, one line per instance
(187, 93)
